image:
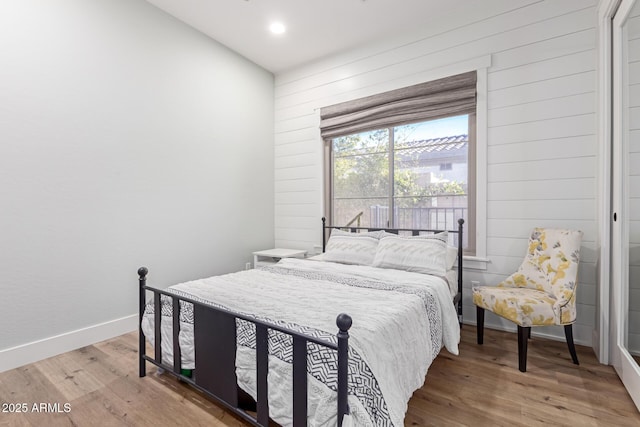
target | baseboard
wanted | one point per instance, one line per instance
(32, 352)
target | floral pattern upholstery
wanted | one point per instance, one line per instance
(543, 290)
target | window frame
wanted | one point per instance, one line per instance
(391, 151)
(480, 64)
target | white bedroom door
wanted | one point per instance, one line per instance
(625, 226)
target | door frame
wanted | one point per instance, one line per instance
(600, 338)
(626, 367)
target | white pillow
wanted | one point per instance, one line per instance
(452, 251)
(424, 254)
(351, 248)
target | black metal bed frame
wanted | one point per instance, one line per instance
(457, 299)
(215, 352)
(214, 330)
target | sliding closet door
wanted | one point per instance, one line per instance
(625, 260)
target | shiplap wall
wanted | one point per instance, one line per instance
(634, 178)
(541, 154)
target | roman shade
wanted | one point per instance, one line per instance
(425, 101)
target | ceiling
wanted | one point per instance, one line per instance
(315, 28)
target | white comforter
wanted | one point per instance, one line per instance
(391, 331)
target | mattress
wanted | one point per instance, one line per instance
(401, 320)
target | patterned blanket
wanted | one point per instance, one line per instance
(322, 361)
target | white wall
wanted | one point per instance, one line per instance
(126, 139)
(541, 155)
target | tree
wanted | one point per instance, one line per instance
(361, 165)
(361, 174)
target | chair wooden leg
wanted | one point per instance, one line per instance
(480, 324)
(568, 333)
(523, 333)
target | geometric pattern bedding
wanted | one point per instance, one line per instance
(363, 384)
(430, 301)
(322, 362)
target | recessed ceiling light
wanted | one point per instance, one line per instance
(277, 28)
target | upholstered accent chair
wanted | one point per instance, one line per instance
(541, 293)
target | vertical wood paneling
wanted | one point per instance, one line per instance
(541, 155)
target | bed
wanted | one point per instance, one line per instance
(265, 340)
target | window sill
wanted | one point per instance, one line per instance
(475, 263)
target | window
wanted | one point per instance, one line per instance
(408, 176)
(404, 158)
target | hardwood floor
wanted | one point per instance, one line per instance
(481, 387)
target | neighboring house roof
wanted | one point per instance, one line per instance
(435, 145)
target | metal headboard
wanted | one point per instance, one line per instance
(457, 300)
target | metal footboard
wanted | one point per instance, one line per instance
(215, 352)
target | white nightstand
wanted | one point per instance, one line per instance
(271, 256)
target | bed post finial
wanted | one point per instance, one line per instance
(142, 272)
(343, 322)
